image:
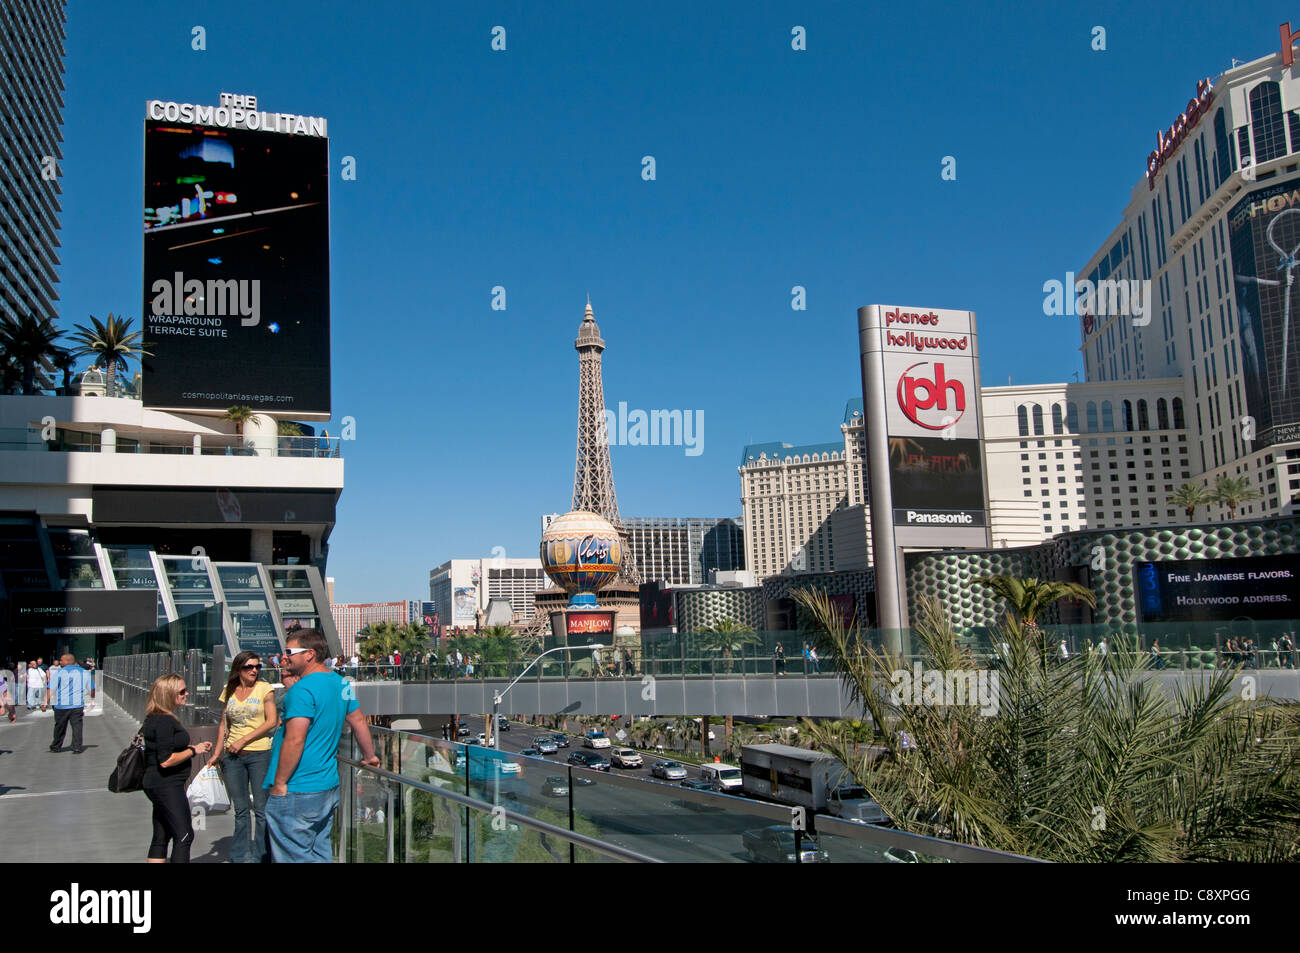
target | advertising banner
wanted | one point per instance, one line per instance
(1207, 590)
(584, 625)
(236, 269)
(464, 605)
(1264, 235)
(936, 482)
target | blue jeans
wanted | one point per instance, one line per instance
(300, 825)
(248, 768)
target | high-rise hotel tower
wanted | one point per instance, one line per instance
(1214, 225)
(31, 113)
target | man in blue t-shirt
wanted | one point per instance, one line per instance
(67, 691)
(303, 775)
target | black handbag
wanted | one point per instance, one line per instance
(129, 774)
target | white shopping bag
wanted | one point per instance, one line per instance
(208, 792)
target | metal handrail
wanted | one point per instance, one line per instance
(581, 840)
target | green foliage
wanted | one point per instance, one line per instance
(1189, 496)
(1233, 491)
(29, 353)
(1083, 760)
(111, 343)
(1028, 598)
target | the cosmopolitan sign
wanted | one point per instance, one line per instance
(236, 112)
(1168, 142)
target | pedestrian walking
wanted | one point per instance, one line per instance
(812, 657)
(167, 754)
(303, 777)
(89, 666)
(807, 659)
(7, 706)
(1063, 651)
(778, 659)
(67, 692)
(35, 685)
(1156, 660)
(244, 749)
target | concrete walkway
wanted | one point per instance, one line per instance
(56, 808)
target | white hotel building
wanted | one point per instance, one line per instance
(1215, 227)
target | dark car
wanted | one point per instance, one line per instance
(503, 724)
(555, 786)
(561, 741)
(589, 759)
(775, 845)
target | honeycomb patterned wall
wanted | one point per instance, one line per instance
(947, 575)
(860, 583)
(697, 608)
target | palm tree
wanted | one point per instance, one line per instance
(726, 637)
(28, 346)
(1189, 496)
(241, 415)
(287, 428)
(1069, 763)
(1232, 492)
(1029, 598)
(110, 343)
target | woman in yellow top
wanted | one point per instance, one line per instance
(244, 744)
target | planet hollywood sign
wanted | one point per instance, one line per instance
(236, 112)
(1168, 142)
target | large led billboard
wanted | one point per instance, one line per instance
(1201, 590)
(1264, 234)
(236, 266)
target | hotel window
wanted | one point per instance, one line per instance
(1266, 119)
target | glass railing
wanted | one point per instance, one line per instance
(436, 801)
(211, 445)
(1170, 646)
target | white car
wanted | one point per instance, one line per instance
(595, 739)
(625, 758)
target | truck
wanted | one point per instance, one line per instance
(810, 779)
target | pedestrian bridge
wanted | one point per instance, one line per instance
(793, 695)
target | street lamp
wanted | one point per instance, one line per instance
(497, 696)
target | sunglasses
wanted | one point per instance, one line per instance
(295, 651)
(183, 691)
(253, 666)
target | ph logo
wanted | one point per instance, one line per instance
(917, 393)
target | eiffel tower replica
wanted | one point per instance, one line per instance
(593, 475)
(593, 485)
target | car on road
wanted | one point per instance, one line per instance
(582, 781)
(775, 845)
(595, 739)
(588, 759)
(555, 786)
(545, 744)
(503, 723)
(482, 738)
(462, 731)
(668, 770)
(625, 758)
(561, 741)
(531, 753)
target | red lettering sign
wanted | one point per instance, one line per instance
(1185, 123)
(916, 394)
(1288, 42)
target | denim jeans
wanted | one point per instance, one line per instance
(300, 825)
(244, 770)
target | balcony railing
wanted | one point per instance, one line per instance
(38, 439)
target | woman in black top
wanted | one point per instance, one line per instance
(167, 754)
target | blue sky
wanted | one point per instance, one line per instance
(522, 169)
